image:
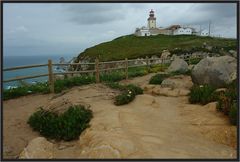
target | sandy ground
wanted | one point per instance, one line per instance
(148, 127)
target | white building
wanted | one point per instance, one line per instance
(182, 31)
(143, 31)
(152, 29)
(204, 33)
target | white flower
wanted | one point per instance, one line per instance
(201, 86)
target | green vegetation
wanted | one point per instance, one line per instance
(194, 61)
(158, 68)
(60, 85)
(233, 113)
(188, 72)
(128, 92)
(124, 98)
(131, 46)
(23, 90)
(226, 100)
(202, 94)
(158, 78)
(66, 126)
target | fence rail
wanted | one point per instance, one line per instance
(51, 75)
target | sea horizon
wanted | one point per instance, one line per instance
(22, 60)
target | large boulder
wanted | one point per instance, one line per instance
(215, 71)
(38, 148)
(178, 65)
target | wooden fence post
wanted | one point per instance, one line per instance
(126, 68)
(50, 76)
(97, 70)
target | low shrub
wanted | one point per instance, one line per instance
(158, 78)
(24, 90)
(202, 94)
(112, 77)
(66, 126)
(115, 85)
(60, 85)
(188, 72)
(195, 61)
(157, 68)
(137, 71)
(124, 98)
(228, 98)
(135, 89)
(128, 92)
(233, 113)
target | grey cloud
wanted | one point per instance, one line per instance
(88, 14)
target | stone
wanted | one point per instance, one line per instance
(190, 67)
(165, 54)
(178, 65)
(38, 148)
(178, 81)
(58, 105)
(233, 53)
(215, 71)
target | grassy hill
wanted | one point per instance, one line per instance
(131, 46)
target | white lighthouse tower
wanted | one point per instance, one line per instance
(151, 20)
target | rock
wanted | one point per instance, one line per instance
(215, 71)
(179, 81)
(221, 90)
(37, 148)
(165, 54)
(58, 105)
(233, 53)
(178, 65)
(190, 67)
(174, 57)
(166, 91)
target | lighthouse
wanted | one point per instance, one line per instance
(151, 20)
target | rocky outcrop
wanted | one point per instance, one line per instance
(175, 86)
(178, 81)
(233, 53)
(216, 71)
(38, 148)
(165, 54)
(178, 65)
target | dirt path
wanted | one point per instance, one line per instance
(149, 127)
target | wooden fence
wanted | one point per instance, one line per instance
(97, 70)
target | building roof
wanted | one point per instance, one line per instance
(173, 27)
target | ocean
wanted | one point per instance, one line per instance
(12, 61)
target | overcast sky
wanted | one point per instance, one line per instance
(62, 28)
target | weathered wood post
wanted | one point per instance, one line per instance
(97, 70)
(50, 76)
(126, 68)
